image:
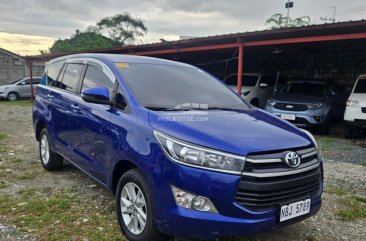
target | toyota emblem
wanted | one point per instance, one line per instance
(292, 159)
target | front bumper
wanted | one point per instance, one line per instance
(308, 118)
(232, 219)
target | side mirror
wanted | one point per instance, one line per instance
(97, 95)
(263, 85)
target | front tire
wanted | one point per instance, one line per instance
(134, 208)
(13, 96)
(50, 160)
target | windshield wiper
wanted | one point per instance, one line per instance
(221, 108)
(158, 108)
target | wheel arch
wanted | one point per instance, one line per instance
(12, 92)
(40, 124)
(119, 169)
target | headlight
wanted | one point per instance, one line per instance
(315, 105)
(313, 139)
(271, 102)
(352, 103)
(200, 157)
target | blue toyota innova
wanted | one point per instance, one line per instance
(184, 154)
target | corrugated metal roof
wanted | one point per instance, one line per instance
(266, 34)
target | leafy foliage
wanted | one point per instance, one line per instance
(118, 30)
(122, 28)
(279, 21)
(82, 42)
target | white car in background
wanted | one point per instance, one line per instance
(18, 89)
(256, 88)
(355, 114)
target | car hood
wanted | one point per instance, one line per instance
(239, 132)
(3, 87)
(301, 99)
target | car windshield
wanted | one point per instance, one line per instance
(159, 86)
(14, 81)
(247, 80)
(361, 85)
(305, 88)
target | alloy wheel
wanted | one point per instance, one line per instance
(133, 208)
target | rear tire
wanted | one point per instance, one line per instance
(13, 96)
(134, 208)
(50, 160)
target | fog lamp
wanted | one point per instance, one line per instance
(189, 200)
(317, 118)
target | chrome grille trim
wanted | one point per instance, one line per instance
(278, 174)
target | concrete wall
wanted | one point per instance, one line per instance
(12, 68)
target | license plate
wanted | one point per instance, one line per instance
(288, 116)
(293, 210)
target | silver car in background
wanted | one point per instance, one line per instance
(18, 89)
(307, 103)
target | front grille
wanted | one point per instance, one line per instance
(363, 109)
(290, 107)
(299, 121)
(268, 183)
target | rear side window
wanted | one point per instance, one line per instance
(70, 81)
(36, 81)
(361, 85)
(94, 77)
(53, 71)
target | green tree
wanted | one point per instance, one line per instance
(122, 28)
(279, 21)
(82, 41)
(118, 30)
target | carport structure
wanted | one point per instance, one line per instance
(336, 51)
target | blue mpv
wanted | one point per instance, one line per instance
(184, 154)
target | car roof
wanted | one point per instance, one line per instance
(118, 58)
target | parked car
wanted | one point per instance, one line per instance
(18, 89)
(256, 88)
(307, 103)
(214, 167)
(355, 114)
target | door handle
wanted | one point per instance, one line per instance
(51, 97)
(75, 107)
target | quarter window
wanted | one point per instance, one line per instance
(71, 77)
(53, 71)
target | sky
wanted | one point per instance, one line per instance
(27, 26)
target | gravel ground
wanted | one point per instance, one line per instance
(20, 172)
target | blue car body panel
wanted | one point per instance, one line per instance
(96, 138)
